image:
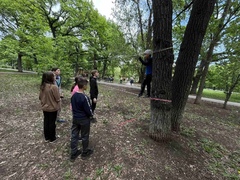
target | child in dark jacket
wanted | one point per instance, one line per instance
(82, 114)
(94, 91)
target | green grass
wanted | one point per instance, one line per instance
(208, 93)
(8, 70)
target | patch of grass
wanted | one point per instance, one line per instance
(222, 162)
(208, 93)
(118, 169)
(167, 168)
(45, 166)
(212, 148)
(193, 146)
(188, 132)
(68, 174)
(7, 70)
(105, 121)
(99, 172)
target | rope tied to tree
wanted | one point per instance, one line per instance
(161, 50)
(163, 100)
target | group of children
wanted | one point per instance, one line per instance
(81, 105)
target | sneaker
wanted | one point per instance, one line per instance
(61, 120)
(139, 95)
(87, 153)
(80, 138)
(74, 156)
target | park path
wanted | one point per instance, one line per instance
(136, 86)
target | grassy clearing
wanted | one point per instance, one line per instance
(207, 147)
(208, 93)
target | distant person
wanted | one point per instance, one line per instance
(94, 91)
(121, 80)
(131, 81)
(50, 102)
(74, 87)
(58, 83)
(148, 72)
(82, 113)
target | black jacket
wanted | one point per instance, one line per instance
(93, 88)
(81, 107)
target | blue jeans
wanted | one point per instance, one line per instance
(84, 127)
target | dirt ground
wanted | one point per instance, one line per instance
(208, 147)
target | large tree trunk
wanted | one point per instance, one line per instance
(94, 61)
(104, 68)
(160, 125)
(188, 56)
(19, 62)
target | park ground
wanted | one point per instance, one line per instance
(207, 148)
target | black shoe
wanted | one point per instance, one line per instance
(54, 140)
(74, 156)
(147, 96)
(94, 120)
(80, 138)
(87, 153)
(139, 95)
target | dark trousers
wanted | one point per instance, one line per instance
(84, 127)
(93, 105)
(49, 126)
(147, 81)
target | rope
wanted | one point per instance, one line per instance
(163, 100)
(161, 50)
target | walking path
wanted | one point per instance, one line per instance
(134, 86)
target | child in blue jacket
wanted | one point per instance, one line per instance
(82, 114)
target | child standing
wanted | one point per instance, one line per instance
(50, 102)
(58, 83)
(94, 91)
(82, 113)
(75, 86)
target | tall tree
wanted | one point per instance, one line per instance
(17, 22)
(188, 56)
(135, 20)
(160, 124)
(216, 36)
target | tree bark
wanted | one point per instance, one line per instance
(188, 56)
(160, 125)
(94, 61)
(104, 68)
(19, 62)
